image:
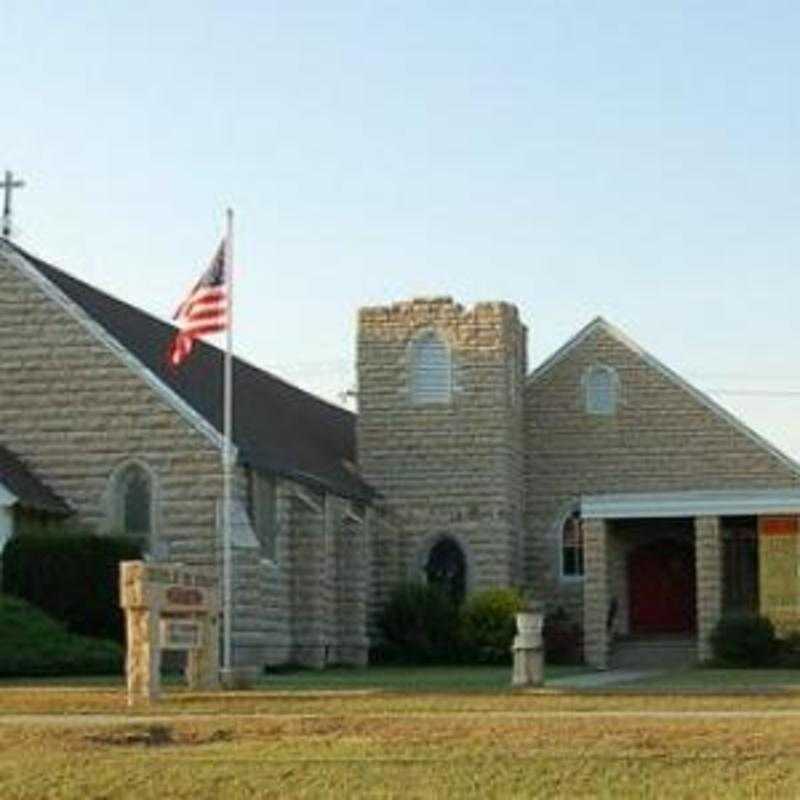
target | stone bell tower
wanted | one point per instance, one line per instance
(440, 391)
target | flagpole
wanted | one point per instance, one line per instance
(227, 456)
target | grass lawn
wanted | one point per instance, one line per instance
(390, 732)
(405, 678)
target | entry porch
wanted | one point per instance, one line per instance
(663, 568)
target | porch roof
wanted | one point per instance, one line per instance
(691, 504)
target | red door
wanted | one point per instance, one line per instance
(662, 587)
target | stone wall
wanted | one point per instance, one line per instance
(387, 567)
(446, 468)
(596, 638)
(662, 438)
(74, 412)
(708, 560)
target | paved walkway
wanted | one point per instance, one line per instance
(597, 680)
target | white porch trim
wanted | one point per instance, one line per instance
(7, 501)
(691, 504)
(7, 498)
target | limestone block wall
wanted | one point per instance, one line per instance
(308, 582)
(74, 412)
(447, 468)
(708, 568)
(662, 438)
(618, 549)
(274, 581)
(595, 610)
(352, 581)
(328, 573)
(387, 565)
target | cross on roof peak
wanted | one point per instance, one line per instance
(8, 185)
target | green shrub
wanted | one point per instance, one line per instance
(34, 644)
(419, 625)
(488, 625)
(788, 656)
(72, 575)
(744, 641)
(563, 639)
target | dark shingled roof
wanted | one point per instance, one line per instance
(278, 428)
(28, 489)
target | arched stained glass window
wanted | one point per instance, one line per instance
(431, 378)
(133, 496)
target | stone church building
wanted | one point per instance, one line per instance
(601, 483)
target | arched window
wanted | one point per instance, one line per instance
(262, 511)
(601, 387)
(572, 547)
(431, 369)
(133, 503)
(446, 568)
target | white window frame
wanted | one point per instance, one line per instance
(571, 577)
(439, 395)
(591, 404)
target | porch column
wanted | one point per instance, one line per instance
(595, 593)
(708, 566)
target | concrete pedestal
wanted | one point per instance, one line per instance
(528, 650)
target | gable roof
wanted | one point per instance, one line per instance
(277, 428)
(601, 324)
(29, 491)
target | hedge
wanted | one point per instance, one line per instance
(34, 644)
(72, 576)
(420, 625)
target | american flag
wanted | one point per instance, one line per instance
(205, 310)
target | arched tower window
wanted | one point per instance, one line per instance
(133, 500)
(431, 369)
(601, 388)
(446, 568)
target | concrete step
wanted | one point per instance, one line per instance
(653, 652)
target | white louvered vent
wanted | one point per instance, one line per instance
(431, 370)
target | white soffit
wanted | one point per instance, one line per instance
(6, 497)
(691, 504)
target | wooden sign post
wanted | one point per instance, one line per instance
(168, 607)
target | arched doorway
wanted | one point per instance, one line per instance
(661, 582)
(446, 568)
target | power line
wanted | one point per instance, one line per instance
(756, 392)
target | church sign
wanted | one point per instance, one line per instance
(179, 634)
(779, 571)
(169, 607)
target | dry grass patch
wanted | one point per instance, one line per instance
(403, 746)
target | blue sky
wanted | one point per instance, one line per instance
(635, 160)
